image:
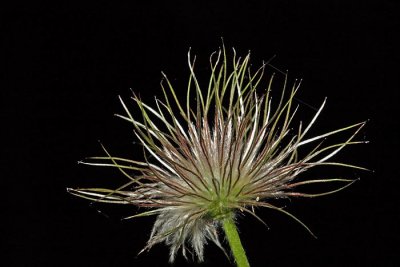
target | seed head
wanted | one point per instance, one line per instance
(230, 151)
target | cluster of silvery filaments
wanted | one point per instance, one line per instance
(226, 153)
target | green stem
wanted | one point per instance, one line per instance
(234, 242)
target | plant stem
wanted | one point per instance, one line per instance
(234, 242)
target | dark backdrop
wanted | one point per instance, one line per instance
(66, 64)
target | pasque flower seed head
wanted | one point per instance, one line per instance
(230, 151)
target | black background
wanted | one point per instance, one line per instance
(66, 64)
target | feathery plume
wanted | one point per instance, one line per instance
(229, 152)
